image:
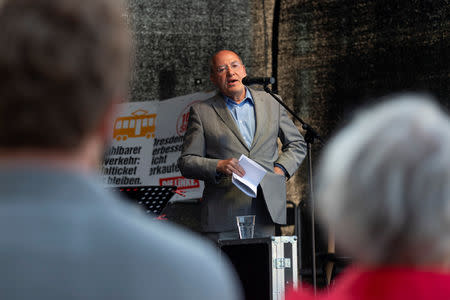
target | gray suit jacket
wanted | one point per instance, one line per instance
(62, 236)
(212, 135)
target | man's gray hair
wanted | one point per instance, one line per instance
(384, 184)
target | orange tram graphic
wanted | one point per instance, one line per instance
(139, 124)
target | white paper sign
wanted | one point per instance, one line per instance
(147, 141)
(126, 161)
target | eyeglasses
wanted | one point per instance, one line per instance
(234, 66)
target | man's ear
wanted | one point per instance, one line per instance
(99, 138)
(105, 129)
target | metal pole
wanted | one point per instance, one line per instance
(313, 231)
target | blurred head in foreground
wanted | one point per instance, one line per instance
(62, 66)
(384, 184)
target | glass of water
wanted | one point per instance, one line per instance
(246, 226)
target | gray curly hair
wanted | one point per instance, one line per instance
(384, 184)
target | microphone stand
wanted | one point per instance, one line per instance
(310, 137)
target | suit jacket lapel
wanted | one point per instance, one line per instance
(260, 115)
(224, 113)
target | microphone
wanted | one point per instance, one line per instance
(258, 80)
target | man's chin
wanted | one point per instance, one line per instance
(234, 91)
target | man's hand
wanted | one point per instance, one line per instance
(230, 166)
(279, 171)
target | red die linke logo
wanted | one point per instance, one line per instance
(180, 182)
(183, 119)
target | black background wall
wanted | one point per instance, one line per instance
(336, 56)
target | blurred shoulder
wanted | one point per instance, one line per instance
(185, 259)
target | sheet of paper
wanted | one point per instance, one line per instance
(254, 173)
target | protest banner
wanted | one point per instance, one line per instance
(147, 141)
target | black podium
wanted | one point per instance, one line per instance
(267, 267)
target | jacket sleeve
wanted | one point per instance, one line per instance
(193, 162)
(293, 149)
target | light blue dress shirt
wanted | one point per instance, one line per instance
(244, 115)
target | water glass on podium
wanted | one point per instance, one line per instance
(246, 226)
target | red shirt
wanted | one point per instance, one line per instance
(383, 284)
